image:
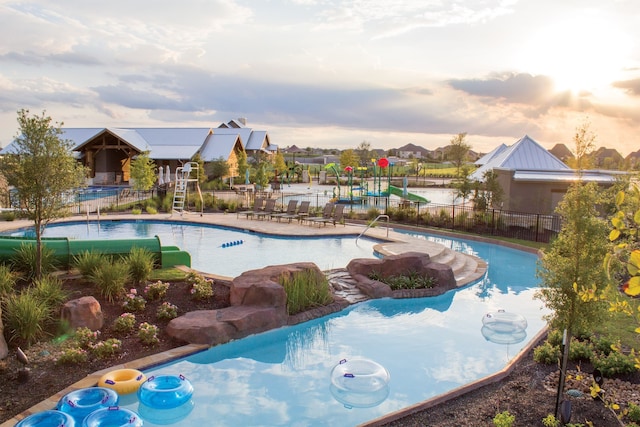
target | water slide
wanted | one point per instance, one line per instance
(408, 196)
(64, 249)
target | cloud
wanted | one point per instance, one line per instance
(631, 87)
(519, 88)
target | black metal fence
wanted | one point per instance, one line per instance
(492, 222)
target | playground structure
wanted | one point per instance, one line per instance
(65, 249)
(362, 194)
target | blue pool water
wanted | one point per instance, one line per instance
(429, 346)
(205, 244)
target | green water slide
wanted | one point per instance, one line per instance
(64, 249)
(409, 196)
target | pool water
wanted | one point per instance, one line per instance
(208, 244)
(429, 346)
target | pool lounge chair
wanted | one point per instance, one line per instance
(303, 212)
(269, 206)
(258, 205)
(326, 213)
(292, 206)
(336, 217)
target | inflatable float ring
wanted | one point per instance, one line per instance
(124, 381)
(165, 391)
(112, 417)
(50, 418)
(504, 322)
(82, 402)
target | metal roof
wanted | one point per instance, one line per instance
(490, 155)
(570, 175)
(524, 154)
(219, 146)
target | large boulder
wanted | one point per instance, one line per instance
(258, 304)
(200, 327)
(262, 287)
(395, 265)
(83, 312)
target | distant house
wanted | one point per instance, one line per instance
(633, 160)
(562, 152)
(107, 152)
(607, 158)
(533, 179)
(412, 151)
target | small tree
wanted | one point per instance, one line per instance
(202, 177)
(218, 169)
(42, 170)
(348, 158)
(143, 172)
(458, 152)
(243, 166)
(279, 165)
(364, 153)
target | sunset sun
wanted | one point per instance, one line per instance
(585, 54)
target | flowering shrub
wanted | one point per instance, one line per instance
(72, 355)
(125, 322)
(108, 348)
(85, 337)
(156, 291)
(201, 288)
(148, 333)
(167, 311)
(133, 302)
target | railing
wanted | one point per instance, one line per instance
(371, 224)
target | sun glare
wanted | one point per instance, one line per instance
(579, 54)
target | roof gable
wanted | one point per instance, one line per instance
(524, 154)
(491, 154)
(219, 146)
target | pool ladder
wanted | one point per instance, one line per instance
(373, 222)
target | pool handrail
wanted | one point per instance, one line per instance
(373, 222)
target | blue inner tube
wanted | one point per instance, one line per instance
(165, 391)
(112, 417)
(51, 418)
(80, 403)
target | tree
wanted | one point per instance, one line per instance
(458, 151)
(279, 165)
(243, 166)
(364, 153)
(571, 268)
(218, 169)
(42, 170)
(349, 158)
(463, 185)
(489, 192)
(143, 172)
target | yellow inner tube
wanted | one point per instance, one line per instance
(123, 381)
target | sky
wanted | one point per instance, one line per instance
(330, 73)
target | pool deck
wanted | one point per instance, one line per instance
(467, 269)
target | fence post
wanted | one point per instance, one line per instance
(417, 213)
(453, 217)
(537, 225)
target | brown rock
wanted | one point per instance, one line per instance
(83, 312)
(201, 327)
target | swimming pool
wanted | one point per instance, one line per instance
(205, 244)
(428, 345)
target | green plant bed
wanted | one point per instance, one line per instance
(410, 280)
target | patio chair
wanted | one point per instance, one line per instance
(269, 206)
(303, 212)
(336, 217)
(292, 206)
(326, 213)
(258, 205)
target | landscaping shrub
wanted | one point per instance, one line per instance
(24, 260)
(85, 337)
(25, 317)
(86, 262)
(133, 302)
(546, 353)
(156, 291)
(305, 290)
(201, 288)
(110, 279)
(125, 322)
(614, 363)
(580, 350)
(7, 280)
(140, 262)
(409, 280)
(372, 213)
(108, 348)
(50, 290)
(72, 356)
(148, 333)
(166, 311)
